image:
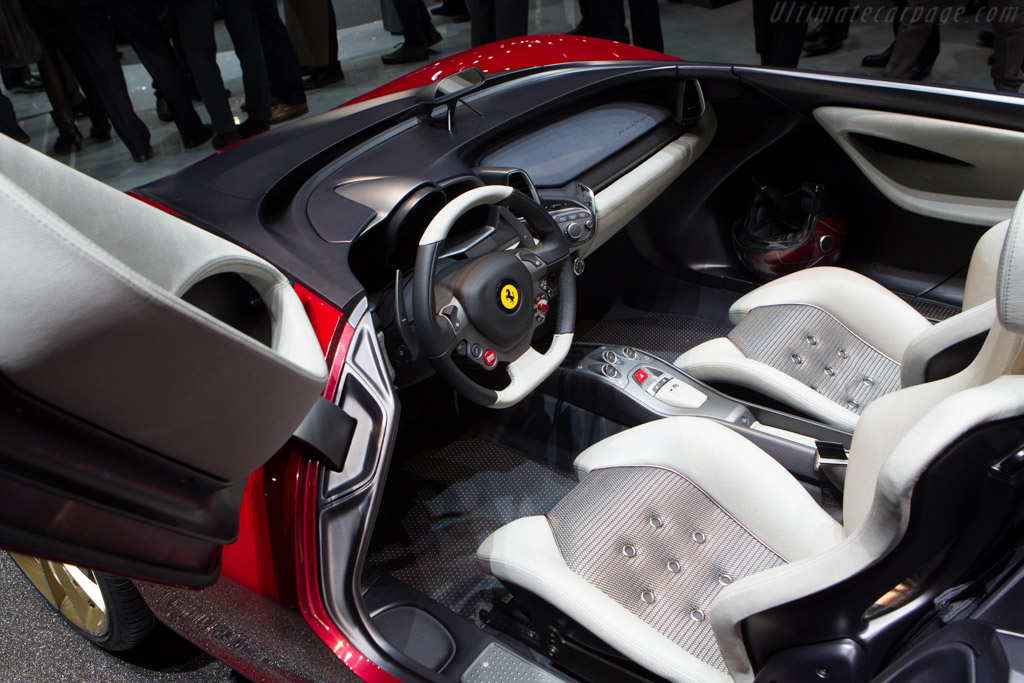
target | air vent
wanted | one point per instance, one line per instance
(518, 180)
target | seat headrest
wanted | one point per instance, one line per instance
(1010, 280)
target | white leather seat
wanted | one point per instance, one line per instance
(680, 529)
(828, 341)
(93, 322)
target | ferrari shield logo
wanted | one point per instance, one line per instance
(509, 297)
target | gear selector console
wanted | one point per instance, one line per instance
(659, 386)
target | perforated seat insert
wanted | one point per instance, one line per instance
(659, 546)
(811, 346)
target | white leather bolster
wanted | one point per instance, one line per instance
(719, 360)
(981, 273)
(868, 309)
(942, 336)
(525, 554)
(446, 217)
(1009, 302)
(529, 370)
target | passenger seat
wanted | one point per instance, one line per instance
(828, 341)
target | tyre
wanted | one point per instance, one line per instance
(105, 609)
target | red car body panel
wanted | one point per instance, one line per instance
(518, 53)
(276, 553)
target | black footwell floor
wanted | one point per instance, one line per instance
(442, 503)
(666, 335)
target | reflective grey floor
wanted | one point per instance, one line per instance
(694, 33)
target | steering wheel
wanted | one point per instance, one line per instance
(488, 309)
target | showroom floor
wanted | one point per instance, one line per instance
(34, 644)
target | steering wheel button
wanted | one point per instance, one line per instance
(542, 305)
(476, 350)
(489, 358)
(640, 376)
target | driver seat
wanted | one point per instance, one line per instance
(696, 555)
(827, 341)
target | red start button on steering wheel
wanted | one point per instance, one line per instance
(489, 357)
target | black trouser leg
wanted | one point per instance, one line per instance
(645, 20)
(283, 70)
(482, 26)
(606, 19)
(195, 23)
(409, 12)
(140, 24)
(96, 50)
(240, 20)
(8, 120)
(332, 35)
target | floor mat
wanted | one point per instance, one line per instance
(442, 503)
(668, 334)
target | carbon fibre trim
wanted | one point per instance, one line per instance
(660, 547)
(811, 346)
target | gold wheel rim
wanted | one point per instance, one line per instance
(74, 592)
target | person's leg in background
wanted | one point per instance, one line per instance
(320, 77)
(645, 20)
(1008, 37)
(780, 27)
(95, 48)
(140, 24)
(833, 29)
(9, 121)
(195, 22)
(916, 40)
(240, 20)
(418, 31)
(283, 70)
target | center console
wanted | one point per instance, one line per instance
(630, 386)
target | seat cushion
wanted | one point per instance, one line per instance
(810, 345)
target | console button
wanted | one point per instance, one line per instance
(640, 376)
(489, 358)
(609, 370)
(574, 231)
(629, 352)
(476, 350)
(610, 357)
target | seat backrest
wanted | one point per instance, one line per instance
(949, 346)
(897, 440)
(94, 321)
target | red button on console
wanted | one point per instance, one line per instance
(489, 357)
(640, 376)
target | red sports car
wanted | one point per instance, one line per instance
(479, 378)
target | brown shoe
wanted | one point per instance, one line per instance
(282, 112)
(222, 140)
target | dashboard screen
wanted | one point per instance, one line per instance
(564, 150)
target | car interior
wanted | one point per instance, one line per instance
(655, 372)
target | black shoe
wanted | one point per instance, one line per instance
(163, 110)
(222, 140)
(249, 128)
(27, 85)
(919, 72)
(146, 155)
(21, 136)
(987, 38)
(323, 77)
(816, 33)
(879, 61)
(435, 36)
(450, 8)
(206, 134)
(69, 139)
(100, 133)
(407, 53)
(823, 46)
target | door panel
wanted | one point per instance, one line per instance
(146, 368)
(943, 169)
